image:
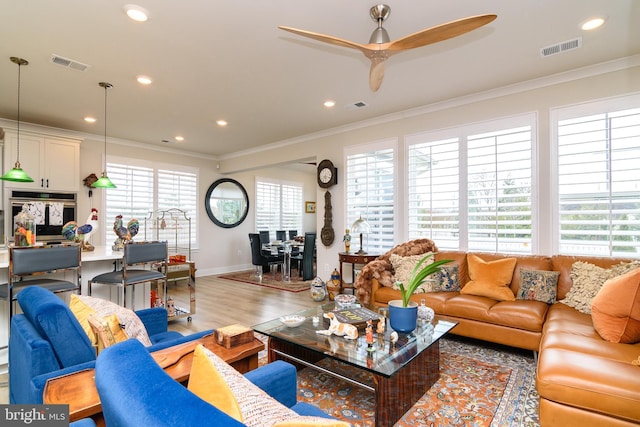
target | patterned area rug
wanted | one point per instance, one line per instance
(269, 280)
(479, 385)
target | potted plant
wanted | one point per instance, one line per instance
(403, 314)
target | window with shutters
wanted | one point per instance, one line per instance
(279, 205)
(370, 193)
(470, 188)
(143, 188)
(598, 178)
(433, 191)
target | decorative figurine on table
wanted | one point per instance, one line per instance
(347, 241)
(125, 234)
(381, 325)
(333, 285)
(393, 338)
(81, 233)
(425, 313)
(338, 328)
(369, 336)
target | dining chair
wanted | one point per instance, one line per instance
(257, 259)
(293, 234)
(306, 258)
(42, 266)
(265, 258)
(150, 258)
(264, 237)
(281, 235)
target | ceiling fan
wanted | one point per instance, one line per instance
(380, 47)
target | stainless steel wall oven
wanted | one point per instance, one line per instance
(51, 211)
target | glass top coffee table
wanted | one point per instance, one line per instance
(401, 373)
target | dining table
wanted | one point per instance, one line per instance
(276, 246)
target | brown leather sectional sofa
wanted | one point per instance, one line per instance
(582, 379)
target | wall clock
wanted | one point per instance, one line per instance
(327, 174)
(327, 234)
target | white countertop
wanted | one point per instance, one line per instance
(101, 253)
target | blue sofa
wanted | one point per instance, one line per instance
(47, 341)
(135, 391)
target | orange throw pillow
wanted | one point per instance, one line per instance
(490, 279)
(615, 311)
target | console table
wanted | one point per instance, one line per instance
(354, 259)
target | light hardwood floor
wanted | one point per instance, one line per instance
(221, 302)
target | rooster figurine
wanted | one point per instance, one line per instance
(125, 234)
(81, 233)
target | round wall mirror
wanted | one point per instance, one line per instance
(227, 203)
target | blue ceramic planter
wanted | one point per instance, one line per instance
(403, 319)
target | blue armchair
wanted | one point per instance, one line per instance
(135, 391)
(47, 341)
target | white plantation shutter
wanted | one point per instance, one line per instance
(470, 187)
(143, 188)
(178, 190)
(433, 191)
(291, 207)
(133, 197)
(370, 193)
(278, 205)
(499, 201)
(598, 179)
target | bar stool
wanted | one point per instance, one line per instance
(35, 261)
(147, 256)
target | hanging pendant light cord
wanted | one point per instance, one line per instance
(106, 86)
(18, 136)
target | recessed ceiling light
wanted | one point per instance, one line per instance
(144, 80)
(221, 123)
(329, 103)
(136, 12)
(90, 119)
(179, 138)
(592, 24)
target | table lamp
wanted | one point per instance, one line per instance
(361, 226)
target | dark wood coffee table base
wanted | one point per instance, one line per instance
(394, 395)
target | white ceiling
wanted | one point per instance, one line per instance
(214, 59)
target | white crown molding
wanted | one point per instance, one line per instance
(65, 133)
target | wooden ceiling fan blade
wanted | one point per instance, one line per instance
(440, 32)
(327, 39)
(376, 73)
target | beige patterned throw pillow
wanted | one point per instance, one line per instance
(587, 280)
(133, 326)
(256, 406)
(403, 267)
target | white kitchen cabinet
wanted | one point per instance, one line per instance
(53, 162)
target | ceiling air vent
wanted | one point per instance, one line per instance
(561, 47)
(356, 105)
(69, 63)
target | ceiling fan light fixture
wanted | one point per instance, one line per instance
(17, 174)
(379, 36)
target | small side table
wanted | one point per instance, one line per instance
(354, 259)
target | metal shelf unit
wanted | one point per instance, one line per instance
(174, 227)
